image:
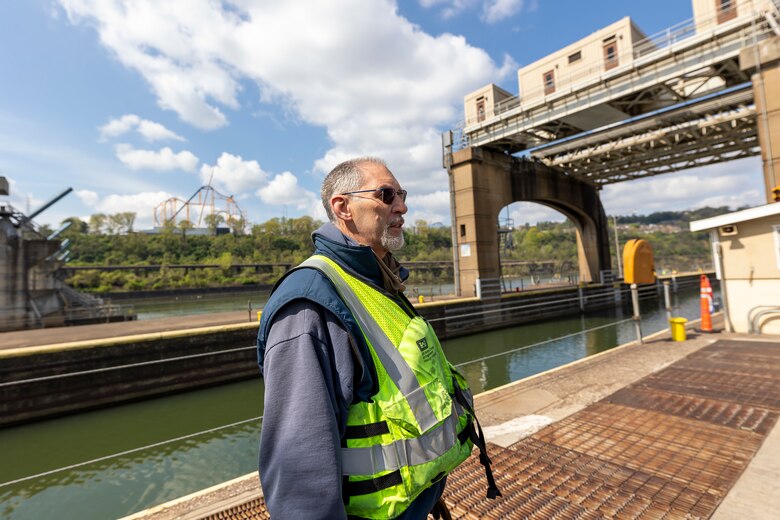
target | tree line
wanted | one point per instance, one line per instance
(551, 246)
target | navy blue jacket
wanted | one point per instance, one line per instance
(315, 363)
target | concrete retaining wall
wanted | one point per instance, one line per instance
(35, 381)
(470, 316)
(146, 372)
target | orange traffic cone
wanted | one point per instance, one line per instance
(706, 305)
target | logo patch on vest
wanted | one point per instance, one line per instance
(427, 352)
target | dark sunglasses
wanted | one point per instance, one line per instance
(386, 195)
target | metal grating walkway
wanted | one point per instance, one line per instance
(668, 446)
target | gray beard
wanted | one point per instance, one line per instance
(392, 243)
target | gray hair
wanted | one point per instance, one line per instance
(345, 177)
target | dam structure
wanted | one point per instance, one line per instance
(32, 292)
(613, 107)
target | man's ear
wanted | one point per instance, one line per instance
(339, 204)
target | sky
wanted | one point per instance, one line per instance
(132, 102)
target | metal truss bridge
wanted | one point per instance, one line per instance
(679, 100)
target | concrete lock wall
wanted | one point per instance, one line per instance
(766, 86)
(762, 61)
(12, 297)
(484, 181)
(35, 383)
(39, 393)
(22, 283)
(482, 187)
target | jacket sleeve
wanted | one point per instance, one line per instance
(309, 373)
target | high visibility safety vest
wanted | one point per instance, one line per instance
(419, 426)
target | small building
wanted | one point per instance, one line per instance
(602, 51)
(483, 103)
(746, 255)
(591, 57)
(708, 14)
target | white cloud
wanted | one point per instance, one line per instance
(117, 127)
(195, 55)
(31, 153)
(492, 11)
(152, 131)
(496, 10)
(160, 160)
(88, 197)
(449, 8)
(432, 207)
(233, 175)
(734, 184)
(284, 190)
(149, 130)
(142, 204)
(530, 213)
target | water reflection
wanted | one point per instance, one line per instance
(122, 485)
(125, 484)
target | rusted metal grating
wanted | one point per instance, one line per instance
(669, 446)
(534, 471)
(252, 510)
(702, 457)
(465, 493)
(760, 392)
(726, 413)
(745, 373)
(737, 357)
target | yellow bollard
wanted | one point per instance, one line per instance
(678, 328)
(259, 315)
(421, 299)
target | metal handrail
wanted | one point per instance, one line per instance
(753, 323)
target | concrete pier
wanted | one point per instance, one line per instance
(660, 430)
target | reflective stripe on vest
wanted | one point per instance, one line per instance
(392, 361)
(403, 452)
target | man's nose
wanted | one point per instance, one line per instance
(399, 206)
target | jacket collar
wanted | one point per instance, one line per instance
(334, 244)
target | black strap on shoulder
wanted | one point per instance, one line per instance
(364, 431)
(465, 435)
(478, 438)
(364, 487)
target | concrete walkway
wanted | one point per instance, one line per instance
(56, 335)
(660, 430)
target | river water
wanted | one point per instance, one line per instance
(189, 447)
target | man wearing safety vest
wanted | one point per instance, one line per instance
(364, 416)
